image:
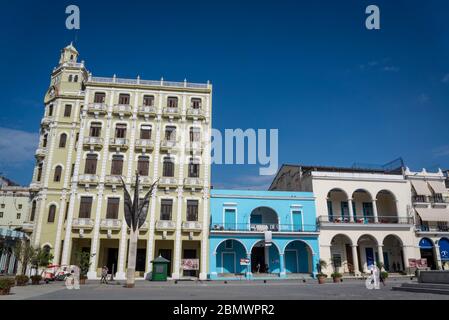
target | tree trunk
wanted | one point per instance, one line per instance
(132, 256)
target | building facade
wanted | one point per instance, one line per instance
(96, 131)
(262, 234)
(430, 198)
(14, 206)
(364, 215)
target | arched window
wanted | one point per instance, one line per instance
(194, 168)
(33, 211)
(58, 172)
(62, 140)
(44, 141)
(143, 166)
(39, 172)
(70, 78)
(75, 79)
(51, 213)
(172, 102)
(168, 167)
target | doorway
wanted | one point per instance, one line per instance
(258, 260)
(112, 260)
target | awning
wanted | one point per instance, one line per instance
(421, 187)
(438, 186)
(433, 214)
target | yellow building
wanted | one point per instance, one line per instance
(96, 130)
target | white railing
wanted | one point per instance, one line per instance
(97, 107)
(144, 180)
(192, 225)
(85, 223)
(41, 151)
(93, 140)
(145, 143)
(197, 182)
(88, 178)
(168, 144)
(110, 223)
(147, 110)
(157, 83)
(195, 112)
(113, 179)
(168, 110)
(118, 142)
(165, 225)
(168, 181)
(122, 108)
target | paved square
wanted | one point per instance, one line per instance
(233, 290)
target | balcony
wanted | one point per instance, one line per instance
(195, 146)
(171, 112)
(41, 153)
(147, 111)
(420, 199)
(167, 145)
(144, 144)
(82, 223)
(93, 142)
(28, 226)
(368, 221)
(113, 180)
(88, 179)
(97, 108)
(439, 199)
(45, 122)
(110, 224)
(431, 229)
(122, 110)
(192, 226)
(119, 143)
(194, 183)
(262, 227)
(165, 225)
(35, 186)
(168, 182)
(193, 113)
(145, 181)
(144, 227)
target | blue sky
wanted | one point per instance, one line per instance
(337, 92)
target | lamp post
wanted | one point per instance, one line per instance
(135, 215)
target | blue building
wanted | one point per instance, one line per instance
(262, 234)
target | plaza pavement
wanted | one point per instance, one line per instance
(218, 290)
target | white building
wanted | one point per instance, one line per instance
(365, 215)
(430, 198)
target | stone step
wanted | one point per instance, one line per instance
(424, 288)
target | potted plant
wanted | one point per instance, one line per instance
(36, 279)
(321, 276)
(384, 275)
(82, 260)
(22, 280)
(5, 285)
(336, 276)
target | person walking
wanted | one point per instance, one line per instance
(104, 275)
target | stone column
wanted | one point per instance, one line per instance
(282, 265)
(351, 211)
(248, 267)
(380, 253)
(355, 260)
(438, 257)
(376, 218)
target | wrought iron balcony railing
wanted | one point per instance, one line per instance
(262, 227)
(365, 220)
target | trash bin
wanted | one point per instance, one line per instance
(160, 269)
